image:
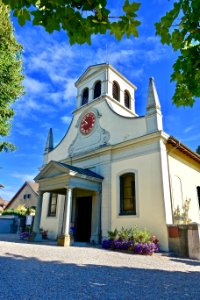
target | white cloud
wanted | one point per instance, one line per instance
(7, 193)
(66, 120)
(70, 89)
(24, 177)
(34, 86)
(27, 107)
(188, 129)
(191, 138)
(22, 129)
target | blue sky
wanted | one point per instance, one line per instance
(51, 66)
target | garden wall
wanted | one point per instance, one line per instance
(184, 240)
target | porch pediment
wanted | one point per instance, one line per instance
(51, 170)
(55, 169)
(56, 175)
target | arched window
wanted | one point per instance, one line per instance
(85, 96)
(97, 89)
(116, 91)
(127, 194)
(127, 101)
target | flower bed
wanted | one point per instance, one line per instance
(24, 235)
(132, 240)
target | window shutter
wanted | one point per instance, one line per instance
(115, 90)
(97, 89)
(85, 96)
(126, 99)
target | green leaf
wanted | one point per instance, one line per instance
(23, 15)
(177, 39)
(131, 8)
(115, 29)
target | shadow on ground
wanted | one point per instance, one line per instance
(30, 278)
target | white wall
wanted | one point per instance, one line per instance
(52, 224)
(150, 208)
(184, 178)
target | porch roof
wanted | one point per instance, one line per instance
(58, 176)
(86, 172)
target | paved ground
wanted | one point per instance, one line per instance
(45, 271)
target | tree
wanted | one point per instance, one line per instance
(10, 75)
(82, 18)
(198, 150)
(79, 18)
(180, 28)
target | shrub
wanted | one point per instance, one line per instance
(141, 235)
(112, 234)
(12, 212)
(125, 234)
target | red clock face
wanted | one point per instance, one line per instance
(87, 123)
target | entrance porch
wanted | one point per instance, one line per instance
(78, 203)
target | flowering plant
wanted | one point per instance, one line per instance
(145, 248)
(117, 244)
(140, 243)
(24, 235)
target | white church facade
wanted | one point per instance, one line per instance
(114, 168)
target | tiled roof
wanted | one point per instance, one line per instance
(86, 172)
(34, 186)
(184, 149)
(2, 201)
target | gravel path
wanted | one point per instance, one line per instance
(35, 271)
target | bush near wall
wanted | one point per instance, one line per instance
(12, 212)
(21, 210)
(133, 240)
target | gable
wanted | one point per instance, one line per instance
(56, 169)
(53, 169)
(90, 72)
(28, 188)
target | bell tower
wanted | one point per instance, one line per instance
(103, 82)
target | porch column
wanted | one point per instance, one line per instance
(37, 219)
(68, 211)
(100, 215)
(64, 240)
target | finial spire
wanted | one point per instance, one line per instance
(153, 103)
(107, 58)
(49, 142)
(153, 109)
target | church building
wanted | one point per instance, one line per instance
(113, 168)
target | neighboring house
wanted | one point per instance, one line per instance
(3, 204)
(114, 168)
(27, 196)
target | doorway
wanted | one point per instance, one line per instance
(83, 219)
